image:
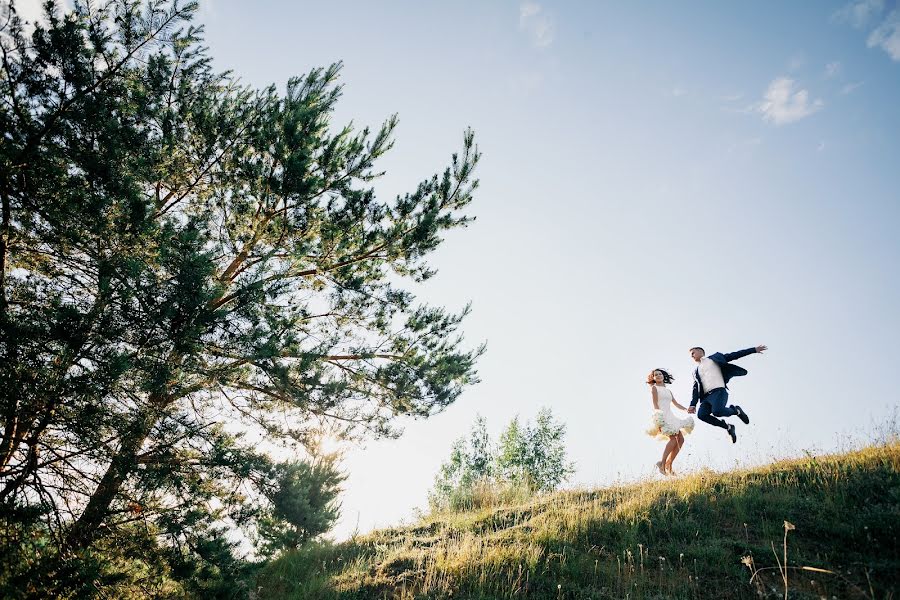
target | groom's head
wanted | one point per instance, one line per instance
(697, 353)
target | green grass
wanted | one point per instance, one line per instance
(698, 536)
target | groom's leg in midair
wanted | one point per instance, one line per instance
(704, 413)
(716, 403)
(719, 401)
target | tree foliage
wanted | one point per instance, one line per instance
(303, 503)
(527, 459)
(193, 272)
(471, 462)
(534, 454)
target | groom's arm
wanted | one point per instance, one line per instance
(695, 394)
(730, 356)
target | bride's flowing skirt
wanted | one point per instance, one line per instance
(662, 427)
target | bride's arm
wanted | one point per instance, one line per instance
(675, 402)
(655, 397)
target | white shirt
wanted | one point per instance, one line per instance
(710, 375)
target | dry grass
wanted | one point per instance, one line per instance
(700, 536)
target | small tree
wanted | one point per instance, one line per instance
(512, 453)
(471, 460)
(303, 503)
(527, 460)
(534, 456)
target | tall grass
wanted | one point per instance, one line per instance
(483, 493)
(700, 536)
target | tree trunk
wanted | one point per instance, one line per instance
(8, 444)
(87, 527)
(10, 433)
(5, 217)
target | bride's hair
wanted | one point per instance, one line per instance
(667, 378)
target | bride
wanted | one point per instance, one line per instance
(666, 425)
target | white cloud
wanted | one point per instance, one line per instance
(832, 69)
(887, 35)
(732, 97)
(783, 103)
(850, 87)
(859, 13)
(537, 24)
(678, 91)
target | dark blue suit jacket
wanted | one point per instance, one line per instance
(728, 370)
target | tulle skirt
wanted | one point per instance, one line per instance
(662, 425)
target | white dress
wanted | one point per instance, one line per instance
(663, 422)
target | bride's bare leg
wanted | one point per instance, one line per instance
(670, 446)
(679, 444)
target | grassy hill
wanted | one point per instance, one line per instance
(698, 536)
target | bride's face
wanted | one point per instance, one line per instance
(658, 377)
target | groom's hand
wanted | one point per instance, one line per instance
(692, 409)
(760, 349)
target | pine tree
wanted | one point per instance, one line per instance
(303, 503)
(189, 266)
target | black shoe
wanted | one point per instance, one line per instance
(732, 433)
(742, 415)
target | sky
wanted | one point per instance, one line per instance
(655, 176)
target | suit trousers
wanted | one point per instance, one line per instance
(715, 404)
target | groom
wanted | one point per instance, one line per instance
(711, 387)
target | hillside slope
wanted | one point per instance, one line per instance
(698, 536)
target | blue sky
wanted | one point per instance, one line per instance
(655, 176)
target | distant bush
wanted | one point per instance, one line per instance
(528, 459)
